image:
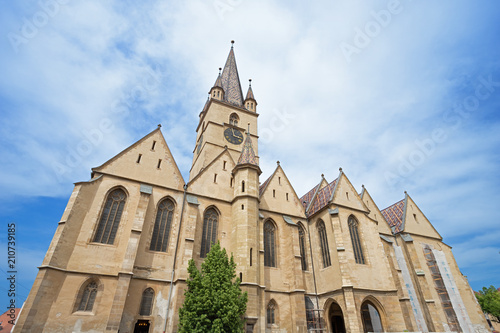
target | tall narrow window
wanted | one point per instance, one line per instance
(251, 255)
(323, 240)
(153, 145)
(209, 237)
(88, 297)
(356, 244)
(163, 223)
(371, 318)
(271, 313)
(243, 186)
(147, 302)
(269, 244)
(110, 217)
(302, 246)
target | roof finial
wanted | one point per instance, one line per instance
(220, 69)
(232, 43)
(250, 82)
(159, 125)
(278, 162)
(248, 129)
(322, 176)
(340, 169)
(363, 185)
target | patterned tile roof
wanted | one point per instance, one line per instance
(394, 215)
(231, 81)
(322, 198)
(264, 185)
(250, 94)
(306, 198)
(247, 154)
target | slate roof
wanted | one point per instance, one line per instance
(394, 215)
(247, 153)
(322, 198)
(231, 81)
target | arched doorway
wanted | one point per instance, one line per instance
(142, 326)
(336, 319)
(372, 322)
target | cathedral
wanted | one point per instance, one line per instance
(329, 260)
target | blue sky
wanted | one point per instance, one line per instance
(403, 95)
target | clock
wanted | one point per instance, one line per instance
(233, 136)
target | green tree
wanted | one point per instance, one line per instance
(489, 299)
(213, 300)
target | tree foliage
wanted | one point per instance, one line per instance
(489, 299)
(213, 300)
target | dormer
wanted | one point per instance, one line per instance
(250, 102)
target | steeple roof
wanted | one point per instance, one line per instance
(250, 92)
(394, 215)
(231, 81)
(218, 82)
(247, 153)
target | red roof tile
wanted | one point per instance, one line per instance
(394, 215)
(322, 198)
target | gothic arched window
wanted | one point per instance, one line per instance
(271, 313)
(147, 302)
(209, 236)
(302, 246)
(110, 217)
(356, 244)
(233, 119)
(88, 297)
(269, 244)
(323, 240)
(371, 318)
(163, 223)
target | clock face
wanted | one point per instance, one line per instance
(233, 136)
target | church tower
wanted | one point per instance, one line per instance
(223, 118)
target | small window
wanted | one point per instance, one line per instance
(287, 197)
(231, 182)
(241, 276)
(224, 165)
(153, 146)
(159, 164)
(279, 180)
(243, 186)
(234, 119)
(215, 178)
(271, 313)
(251, 250)
(139, 158)
(242, 207)
(147, 302)
(274, 193)
(88, 297)
(347, 195)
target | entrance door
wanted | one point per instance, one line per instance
(142, 326)
(336, 319)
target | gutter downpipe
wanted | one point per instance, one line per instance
(314, 274)
(175, 258)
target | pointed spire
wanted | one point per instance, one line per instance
(250, 91)
(218, 82)
(247, 153)
(231, 80)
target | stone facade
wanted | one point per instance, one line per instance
(329, 261)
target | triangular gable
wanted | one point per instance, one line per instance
(346, 195)
(145, 163)
(416, 222)
(215, 174)
(280, 196)
(375, 213)
(394, 215)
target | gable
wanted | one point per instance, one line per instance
(346, 195)
(375, 213)
(215, 180)
(149, 160)
(416, 223)
(279, 195)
